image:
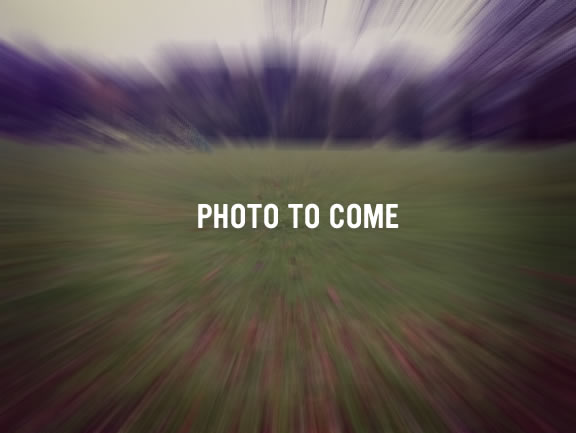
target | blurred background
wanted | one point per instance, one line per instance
(119, 315)
(337, 72)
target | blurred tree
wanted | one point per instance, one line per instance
(550, 105)
(409, 115)
(353, 116)
(306, 113)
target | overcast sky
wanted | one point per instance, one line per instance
(135, 28)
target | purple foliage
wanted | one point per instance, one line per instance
(512, 81)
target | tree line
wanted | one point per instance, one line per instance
(512, 83)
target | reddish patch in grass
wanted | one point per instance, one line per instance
(26, 400)
(387, 286)
(346, 425)
(188, 421)
(463, 327)
(403, 360)
(328, 368)
(413, 335)
(253, 333)
(334, 296)
(566, 279)
(205, 340)
(53, 411)
(267, 419)
(140, 306)
(348, 342)
(146, 398)
(523, 416)
(311, 417)
(210, 275)
(272, 372)
(324, 416)
(545, 387)
(241, 359)
(156, 262)
(176, 318)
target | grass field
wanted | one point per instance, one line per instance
(118, 315)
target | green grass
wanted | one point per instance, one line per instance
(118, 313)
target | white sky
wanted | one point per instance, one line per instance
(135, 28)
